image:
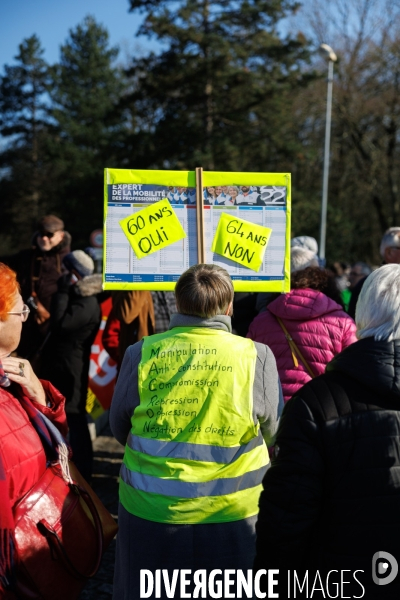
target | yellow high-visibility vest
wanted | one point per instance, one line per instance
(194, 454)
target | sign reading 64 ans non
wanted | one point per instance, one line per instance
(241, 241)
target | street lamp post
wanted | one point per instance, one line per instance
(332, 58)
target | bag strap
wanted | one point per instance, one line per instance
(295, 350)
(61, 448)
(54, 445)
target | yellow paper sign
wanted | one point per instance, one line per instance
(152, 228)
(241, 241)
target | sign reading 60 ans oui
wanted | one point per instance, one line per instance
(241, 241)
(152, 228)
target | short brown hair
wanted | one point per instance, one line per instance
(204, 291)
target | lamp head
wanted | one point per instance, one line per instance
(327, 52)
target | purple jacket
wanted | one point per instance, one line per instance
(318, 326)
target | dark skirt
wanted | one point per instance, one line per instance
(143, 544)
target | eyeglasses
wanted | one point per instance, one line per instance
(47, 234)
(24, 312)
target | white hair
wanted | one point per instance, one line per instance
(378, 306)
(305, 241)
(391, 237)
(301, 258)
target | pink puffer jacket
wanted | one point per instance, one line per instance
(318, 326)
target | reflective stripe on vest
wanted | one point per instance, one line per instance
(201, 452)
(184, 489)
(194, 454)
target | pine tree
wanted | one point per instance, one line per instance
(86, 89)
(219, 92)
(24, 127)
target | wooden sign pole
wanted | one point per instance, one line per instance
(201, 254)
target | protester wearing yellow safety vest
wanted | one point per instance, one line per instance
(195, 407)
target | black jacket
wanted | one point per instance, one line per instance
(331, 499)
(37, 273)
(75, 320)
(354, 297)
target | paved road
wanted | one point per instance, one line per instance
(108, 455)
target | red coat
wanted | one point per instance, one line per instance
(22, 452)
(22, 457)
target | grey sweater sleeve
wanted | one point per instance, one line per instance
(126, 394)
(267, 393)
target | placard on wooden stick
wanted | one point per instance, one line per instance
(198, 199)
(200, 216)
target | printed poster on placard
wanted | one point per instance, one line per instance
(259, 198)
(128, 192)
(262, 199)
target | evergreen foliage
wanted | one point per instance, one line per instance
(219, 95)
(23, 126)
(88, 128)
(227, 90)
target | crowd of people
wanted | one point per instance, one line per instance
(261, 431)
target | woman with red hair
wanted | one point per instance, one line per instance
(23, 398)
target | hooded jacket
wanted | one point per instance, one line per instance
(318, 326)
(331, 498)
(75, 320)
